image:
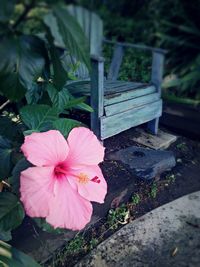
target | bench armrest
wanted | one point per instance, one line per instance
(137, 46)
(97, 58)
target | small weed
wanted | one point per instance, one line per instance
(136, 199)
(117, 216)
(182, 147)
(93, 243)
(153, 191)
(171, 178)
(74, 247)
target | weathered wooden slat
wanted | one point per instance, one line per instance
(111, 89)
(119, 86)
(119, 122)
(116, 62)
(123, 96)
(130, 104)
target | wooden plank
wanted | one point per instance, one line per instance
(130, 104)
(119, 86)
(117, 123)
(97, 95)
(116, 62)
(119, 97)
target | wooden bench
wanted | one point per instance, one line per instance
(118, 105)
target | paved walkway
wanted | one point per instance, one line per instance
(167, 236)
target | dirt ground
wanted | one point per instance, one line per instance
(183, 179)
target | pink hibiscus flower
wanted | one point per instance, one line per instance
(66, 177)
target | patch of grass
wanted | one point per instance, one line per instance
(135, 199)
(153, 190)
(73, 248)
(117, 216)
(93, 243)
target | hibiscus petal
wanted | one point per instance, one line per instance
(93, 190)
(68, 209)
(84, 148)
(45, 149)
(36, 188)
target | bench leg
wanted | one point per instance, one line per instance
(95, 124)
(152, 126)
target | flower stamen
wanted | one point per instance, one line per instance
(83, 178)
(96, 180)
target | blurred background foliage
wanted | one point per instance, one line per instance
(172, 24)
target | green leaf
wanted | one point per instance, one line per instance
(84, 106)
(60, 75)
(11, 211)
(11, 257)
(34, 93)
(5, 157)
(59, 98)
(65, 29)
(21, 62)
(41, 223)
(66, 125)
(5, 235)
(74, 102)
(6, 9)
(38, 117)
(21, 165)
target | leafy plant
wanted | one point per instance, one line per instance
(34, 97)
(153, 190)
(10, 256)
(117, 217)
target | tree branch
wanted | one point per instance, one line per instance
(4, 104)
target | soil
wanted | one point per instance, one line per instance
(183, 179)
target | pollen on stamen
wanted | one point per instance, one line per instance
(83, 178)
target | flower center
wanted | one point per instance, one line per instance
(59, 170)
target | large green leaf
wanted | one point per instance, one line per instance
(65, 29)
(5, 157)
(11, 257)
(21, 62)
(74, 102)
(59, 98)
(7, 127)
(34, 93)
(21, 165)
(6, 9)
(46, 227)
(11, 211)
(5, 236)
(38, 117)
(66, 125)
(60, 75)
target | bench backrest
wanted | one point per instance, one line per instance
(92, 26)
